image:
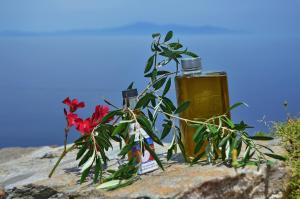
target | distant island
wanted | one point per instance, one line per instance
(140, 28)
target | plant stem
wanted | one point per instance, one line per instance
(66, 138)
(133, 114)
(194, 121)
(60, 158)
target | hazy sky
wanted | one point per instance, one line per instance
(49, 15)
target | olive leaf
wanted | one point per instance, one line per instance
(276, 156)
(151, 151)
(182, 107)
(149, 64)
(167, 87)
(168, 36)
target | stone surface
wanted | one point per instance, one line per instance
(2, 193)
(26, 176)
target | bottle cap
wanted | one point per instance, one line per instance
(191, 64)
(130, 93)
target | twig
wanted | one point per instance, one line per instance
(60, 158)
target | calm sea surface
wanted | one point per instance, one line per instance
(37, 73)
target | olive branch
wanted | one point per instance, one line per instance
(222, 138)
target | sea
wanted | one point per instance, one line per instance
(38, 72)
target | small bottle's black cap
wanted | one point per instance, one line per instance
(130, 93)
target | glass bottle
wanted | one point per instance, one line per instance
(146, 160)
(207, 93)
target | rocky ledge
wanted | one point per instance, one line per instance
(24, 174)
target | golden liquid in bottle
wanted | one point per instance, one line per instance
(208, 96)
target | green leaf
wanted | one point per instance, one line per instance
(168, 103)
(98, 170)
(198, 146)
(130, 86)
(198, 135)
(81, 140)
(275, 156)
(158, 73)
(167, 87)
(154, 75)
(237, 105)
(169, 54)
(224, 140)
(110, 104)
(150, 115)
(155, 35)
(85, 157)
(175, 45)
(109, 184)
(163, 72)
(269, 149)
(127, 147)
(169, 153)
(153, 102)
(198, 157)
(191, 54)
(182, 107)
(158, 84)
(151, 151)
(168, 36)
(156, 47)
(171, 148)
(212, 129)
(257, 137)
(111, 171)
(149, 64)
(144, 101)
(246, 155)
(121, 127)
(181, 146)
(81, 151)
(228, 122)
(103, 140)
(115, 184)
(84, 174)
(88, 163)
(167, 127)
(146, 125)
(239, 147)
(110, 115)
(166, 110)
(241, 126)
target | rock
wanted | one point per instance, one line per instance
(2, 193)
(31, 191)
(245, 185)
(48, 155)
(27, 176)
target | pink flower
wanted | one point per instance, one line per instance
(73, 104)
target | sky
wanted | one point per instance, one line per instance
(37, 69)
(265, 16)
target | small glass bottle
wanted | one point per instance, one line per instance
(208, 97)
(146, 160)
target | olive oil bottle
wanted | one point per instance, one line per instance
(207, 94)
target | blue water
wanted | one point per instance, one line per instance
(37, 73)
